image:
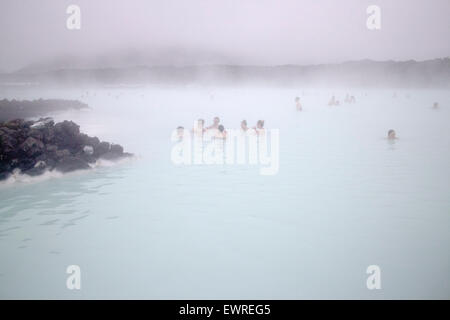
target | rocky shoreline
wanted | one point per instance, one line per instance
(33, 147)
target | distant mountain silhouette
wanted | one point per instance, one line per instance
(125, 59)
(366, 73)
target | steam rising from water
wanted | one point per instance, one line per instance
(20, 178)
(344, 198)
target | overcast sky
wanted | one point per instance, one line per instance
(258, 32)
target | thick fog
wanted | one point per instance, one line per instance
(250, 32)
(350, 126)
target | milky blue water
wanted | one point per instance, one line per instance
(344, 198)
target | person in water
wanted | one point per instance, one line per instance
(221, 133)
(435, 105)
(215, 124)
(298, 104)
(180, 133)
(392, 135)
(333, 102)
(244, 127)
(259, 129)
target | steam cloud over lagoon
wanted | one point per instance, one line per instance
(252, 32)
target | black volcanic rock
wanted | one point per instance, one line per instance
(71, 163)
(102, 148)
(36, 146)
(31, 147)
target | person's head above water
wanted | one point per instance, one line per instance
(391, 134)
(260, 124)
(215, 124)
(244, 124)
(221, 128)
